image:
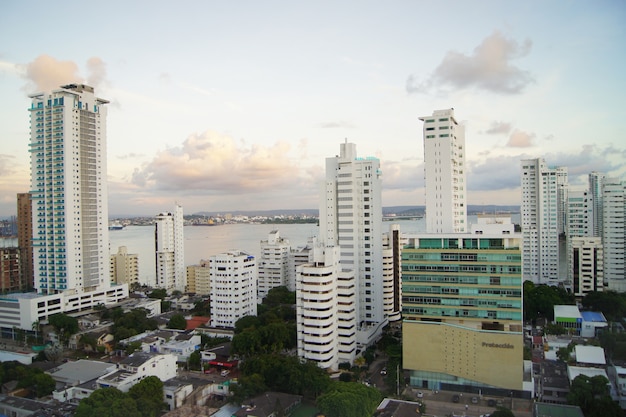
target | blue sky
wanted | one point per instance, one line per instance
(222, 106)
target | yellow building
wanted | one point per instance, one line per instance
(462, 311)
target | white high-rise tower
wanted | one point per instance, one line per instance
(541, 219)
(444, 173)
(614, 233)
(170, 250)
(351, 217)
(69, 190)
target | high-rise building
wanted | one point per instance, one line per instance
(233, 287)
(444, 173)
(170, 250)
(541, 217)
(24, 239)
(393, 242)
(125, 267)
(614, 233)
(586, 264)
(595, 189)
(351, 217)
(199, 278)
(325, 309)
(274, 263)
(70, 238)
(462, 300)
(69, 190)
(579, 213)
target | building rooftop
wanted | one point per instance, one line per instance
(574, 371)
(593, 355)
(557, 410)
(593, 316)
(78, 372)
(567, 311)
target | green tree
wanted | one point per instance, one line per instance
(148, 395)
(593, 397)
(539, 300)
(107, 402)
(158, 293)
(195, 360)
(502, 412)
(349, 399)
(64, 326)
(177, 321)
(44, 384)
(610, 303)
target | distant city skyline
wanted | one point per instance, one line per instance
(219, 107)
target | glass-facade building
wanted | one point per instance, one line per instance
(462, 303)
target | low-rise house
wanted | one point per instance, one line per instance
(76, 380)
(270, 404)
(138, 366)
(182, 346)
(553, 383)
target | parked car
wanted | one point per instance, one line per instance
(455, 398)
(420, 394)
(383, 371)
(474, 400)
(225, 372)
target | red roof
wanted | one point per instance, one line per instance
(196, 321)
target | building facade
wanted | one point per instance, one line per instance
(541, 217)
(24, 239)
(233, 287)
(325, 309)
(462, 311)
(596, 180)
(69, 190)
(351, 218)
(444, 173)
(586, 265)
(274, 263)
(10, 270)
(170, 250)
(125, 267)
(614, 233)
(199, 278)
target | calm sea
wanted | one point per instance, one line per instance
(201, 242)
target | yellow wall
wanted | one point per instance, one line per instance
(493, 358)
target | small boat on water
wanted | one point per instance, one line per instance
(116, 226)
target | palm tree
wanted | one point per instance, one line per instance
(35, 327)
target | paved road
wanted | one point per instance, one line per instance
(440, 404)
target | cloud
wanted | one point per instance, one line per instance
(7, 164)
(494, 173)
(337, 124)
(131, 155)
(46, 73)
(520, 139)
(498, 128)
(211, 163)
(97, 72)
(489, 68)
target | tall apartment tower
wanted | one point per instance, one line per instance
(595, 189)
(24, 239)
(69, 190)
(540, 220)
(614, 233)
(351, 217)
(444, 173)
(393, 241)
(233, 287)
(579, 213)
(325, 312)
(170, 250)
(125, 267)
(274, 263)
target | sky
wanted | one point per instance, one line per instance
(224, 106)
